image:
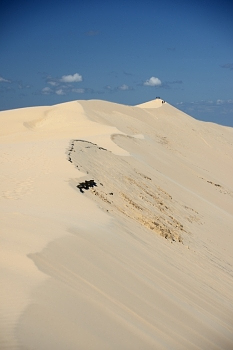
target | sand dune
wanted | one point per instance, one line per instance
(116, 228)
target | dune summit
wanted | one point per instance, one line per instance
(116, 228)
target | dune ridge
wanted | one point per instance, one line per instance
(143, 258)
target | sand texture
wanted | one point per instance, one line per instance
(116, 226)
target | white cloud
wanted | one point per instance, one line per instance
(46, 90)
(124, 87)
(53, 83)
(153, 81)
(60, 92)
(79, 91)
(71, 78)
(2, 80)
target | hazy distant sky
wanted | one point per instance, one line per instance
(121, 51)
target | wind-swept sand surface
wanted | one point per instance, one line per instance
(139, 255)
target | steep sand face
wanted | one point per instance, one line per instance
(138, 258)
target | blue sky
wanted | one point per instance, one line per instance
(121, 51)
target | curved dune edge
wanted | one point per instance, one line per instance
(33, 186)
(77, 271)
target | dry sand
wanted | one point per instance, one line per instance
(140, 260)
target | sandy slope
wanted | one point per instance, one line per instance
(142, 260)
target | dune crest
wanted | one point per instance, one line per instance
(116, 228)
(158, 102)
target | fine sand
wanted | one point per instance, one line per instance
(139, 256)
